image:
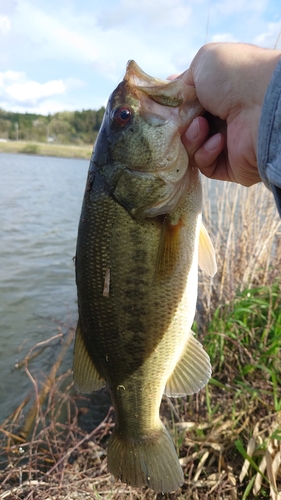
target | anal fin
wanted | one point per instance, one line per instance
(86, 376)
(192, 371)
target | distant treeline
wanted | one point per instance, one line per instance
(67, 127)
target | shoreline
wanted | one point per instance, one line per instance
(43, 149)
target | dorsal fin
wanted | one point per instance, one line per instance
(206, 253)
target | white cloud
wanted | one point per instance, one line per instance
(144, 31)
(5, 24)
(270, 38)
(62, 43)
(230, 7)
(223, 37)
(107, 46)
(48, 106)
(169, 13)
(7, 76)
(17, 90)
(73, 83)
(47, 34)
(32, 91)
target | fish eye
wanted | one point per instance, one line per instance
(121, 116)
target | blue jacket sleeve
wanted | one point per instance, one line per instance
(269, 137)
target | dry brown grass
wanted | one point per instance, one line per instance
(63, 460)
(245, 229)
(45, 149)
(228, 436)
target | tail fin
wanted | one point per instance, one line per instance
(146, 461)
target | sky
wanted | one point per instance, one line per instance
(71, 54)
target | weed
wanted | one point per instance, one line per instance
(228, 435)
(30, 149)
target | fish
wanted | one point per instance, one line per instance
(140, 239)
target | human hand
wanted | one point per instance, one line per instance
(230, 80)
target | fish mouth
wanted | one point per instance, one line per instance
(173, 93)
(165, 92)
(136, 76)
(160, 100)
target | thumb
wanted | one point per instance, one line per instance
(187, 77)
(173, 76)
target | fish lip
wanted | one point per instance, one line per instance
(138, 78)
(171, 93)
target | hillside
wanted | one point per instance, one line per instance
(67, 127)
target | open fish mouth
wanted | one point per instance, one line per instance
(165, 92)
(172, 93)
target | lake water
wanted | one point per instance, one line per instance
(40, 203)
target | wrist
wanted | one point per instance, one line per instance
(265, 62)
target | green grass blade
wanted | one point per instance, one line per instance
(249, 487)
(245, 455)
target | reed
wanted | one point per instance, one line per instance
(245, 229)
(228, 435)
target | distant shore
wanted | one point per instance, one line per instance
(44, 149)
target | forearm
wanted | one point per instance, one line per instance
(269, 138)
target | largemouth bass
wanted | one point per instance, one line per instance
(136, 273)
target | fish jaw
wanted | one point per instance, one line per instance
(173, 93)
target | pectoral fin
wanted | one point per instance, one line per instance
(192, 371)
(168, 251)
(86, 376)
(206, 253)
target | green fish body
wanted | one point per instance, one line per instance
(136, 273)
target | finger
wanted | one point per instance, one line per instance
(195, 135)
(210, 150)
(173, 76)
(187, 77)
(211, 160)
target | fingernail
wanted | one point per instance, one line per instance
(193, 130)
(212, 143)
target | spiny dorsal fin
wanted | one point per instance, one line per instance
(206, 253)
(86, 376)
(192, 371)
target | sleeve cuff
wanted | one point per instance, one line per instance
(269, 137)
